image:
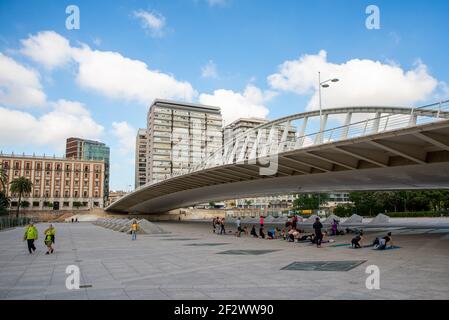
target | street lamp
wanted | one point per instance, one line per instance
(323, 84)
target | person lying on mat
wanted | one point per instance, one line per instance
(382, 243)
(357, 241)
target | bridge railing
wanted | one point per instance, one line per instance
(383, 123)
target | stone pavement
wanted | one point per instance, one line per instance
(154, 267)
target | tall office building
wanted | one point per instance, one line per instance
(83, 149)
(141, 158)
(180, 136)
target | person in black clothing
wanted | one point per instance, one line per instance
(355, 242)
(253, 232)
(262, 234)
(317, 226)
(222, 226)
(382, 243)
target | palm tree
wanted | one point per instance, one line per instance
(3, 178)
(20, 186)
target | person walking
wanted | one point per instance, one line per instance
(317, 226)
(134, 227)
(222, 226)
(239, 227)
(49, 238)
(261, 221)
(30, 236)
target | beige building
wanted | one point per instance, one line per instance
(115, 195)
(58, 183)
(179, 136)
(140, 177)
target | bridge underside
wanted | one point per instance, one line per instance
(410, 158)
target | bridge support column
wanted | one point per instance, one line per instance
(344, 134)
(323, 122)
(413, 118)
(283, 143)
(376, 122)
(301, 132)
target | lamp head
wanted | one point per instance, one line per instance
(334, 80)
(325, 85)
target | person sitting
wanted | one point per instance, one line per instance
(270, 234)
(291, 236)
(306, 237)
(253, 232)
(356, 241)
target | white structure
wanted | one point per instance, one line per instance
(180, 136)
(141, 158)
(393, 148)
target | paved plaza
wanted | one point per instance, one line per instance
(193, 263)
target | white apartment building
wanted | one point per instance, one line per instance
(141, 158)
(179, 137)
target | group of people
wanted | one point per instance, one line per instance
(291, 232)
(218, 225)
(31, 235)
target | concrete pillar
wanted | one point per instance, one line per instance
(284, 137)
(376, 122)
(344, 134)
(323, 122)
(301, 132)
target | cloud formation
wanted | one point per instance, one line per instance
(106, 72)
(209, 70)
(19, 86)
(126, 136)
(236, 105)
(362, 82)
(153, 22)
(67, 118)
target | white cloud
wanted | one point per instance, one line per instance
(19, 86)
(113, 75)
(126, 136)
(47, 48)
(209, 70)
(362, 82)
(152, 21)
(68, 118)
(236, 105)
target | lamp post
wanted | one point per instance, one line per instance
(323, 84)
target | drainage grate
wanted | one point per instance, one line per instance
(206, 244)
(85, 286)
(247, 252)
(324, 265)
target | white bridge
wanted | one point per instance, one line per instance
(393, 148)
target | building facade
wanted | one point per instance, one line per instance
(140, 177)
(180, 136)
(82, 149)
(58, 183)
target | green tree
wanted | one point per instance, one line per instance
(212, 204)
(248, 203)
(344, 210)
(310, 201)
(4, 203)
(3, 178)
(20, 186)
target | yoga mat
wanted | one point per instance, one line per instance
(340, 245)
(388, 248)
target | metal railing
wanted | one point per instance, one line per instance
(7, 222)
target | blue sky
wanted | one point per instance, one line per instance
(252, 58)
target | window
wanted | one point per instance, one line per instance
(86, 168)
(96, 183)
(76, 194)
(85, 183)
(67, 175)
(96, 194)
(27, 166)
(16, 173)
(66, 204)
(47, 182)
(58, 167)
(96, 176)
(85, 175)
(67, 183)
(17, 165)
(67, 167)
(36, 193)
(35, 203)
(66, 194)
(57, 194)
(47, 173)
(47, 194)
(85, 194)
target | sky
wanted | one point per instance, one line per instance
(249, 57)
